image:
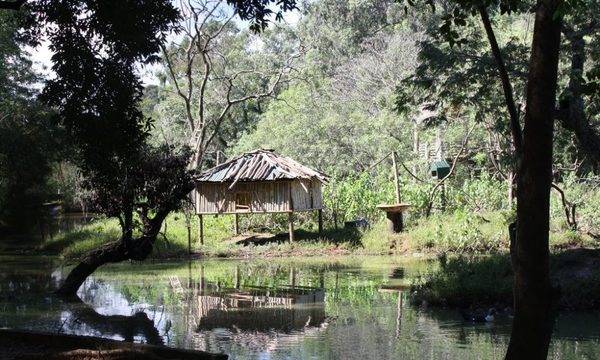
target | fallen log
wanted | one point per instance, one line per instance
(31, 345)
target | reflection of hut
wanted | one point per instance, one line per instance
(259, 182)
(263, 309)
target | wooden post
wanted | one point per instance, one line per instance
(291, 226)
(200, 229)
(398, 221)
(202, 279)
(439, 144)
(189, 241)
(293, 277)
(415, 145)
(320, 221)
(395, 223)
(188, 225)
(396, 177)
(236, 226)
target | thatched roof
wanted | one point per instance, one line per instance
(260, 165)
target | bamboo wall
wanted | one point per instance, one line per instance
(265, 196)
(306, 195)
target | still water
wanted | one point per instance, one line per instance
(350, 308)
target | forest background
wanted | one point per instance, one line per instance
(338, 89)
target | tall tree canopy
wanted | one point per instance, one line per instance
(28, 139)
(96, 94)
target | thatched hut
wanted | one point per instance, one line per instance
(259, 181)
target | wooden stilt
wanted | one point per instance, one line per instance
(398, 217)
(291, 226)
(236, 226)
(189, 234)
(202, 279)
(320, 221)
(293, 277)
(200, 229)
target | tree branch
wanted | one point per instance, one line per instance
(568, 208)
(506, 86)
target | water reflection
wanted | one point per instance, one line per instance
(276, 309)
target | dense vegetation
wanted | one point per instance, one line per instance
(477, 85)
(338, 89)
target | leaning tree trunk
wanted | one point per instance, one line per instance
(116, 251)
(533, 295)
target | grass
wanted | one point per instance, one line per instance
(461, 232)
(464, 232)
(455, 233)
(218, 240)
(72, 244)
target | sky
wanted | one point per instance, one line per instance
(41, 56)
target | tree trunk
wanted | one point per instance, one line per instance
(571, 112)
(510, 182)
(116, 251)
(533, 294)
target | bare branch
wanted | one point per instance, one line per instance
(506, 85)
(569, 208)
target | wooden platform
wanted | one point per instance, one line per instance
(394, 207)
(394, 215)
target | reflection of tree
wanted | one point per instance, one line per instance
(127, 327)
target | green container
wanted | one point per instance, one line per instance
(439, 169)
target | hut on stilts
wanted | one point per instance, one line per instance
(259, 181)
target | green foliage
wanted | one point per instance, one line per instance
(463, 282)
(584, 193)
(343, 140)
(461, 232)
(487, 281)
(354, 198)
(29, 141)
(481, 194)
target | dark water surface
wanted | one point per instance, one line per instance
(329, 308)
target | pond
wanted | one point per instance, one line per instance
(317, 308)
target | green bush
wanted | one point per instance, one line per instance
(461, 232)
(463, 282)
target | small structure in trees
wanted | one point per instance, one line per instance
(259, 181)
(439, 169)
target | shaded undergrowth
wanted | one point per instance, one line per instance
(487, 281)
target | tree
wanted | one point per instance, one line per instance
(96, 94)
(463, 79)
(26, 149)
(534, 296)
(582, 90)
(203, 72)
